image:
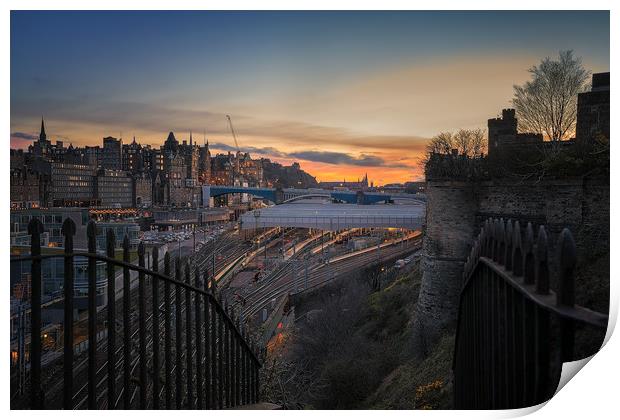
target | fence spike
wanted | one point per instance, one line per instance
(126, 327)
(168, 332)
(529, 264)
(495, 234)
(155, 259)
(142, 328)
(68, 227)
(568, 261)
(483, 237)
(35, 228)
(187, 273)
(508, 246)
(542, 263)
(517, 250)
(91, 233)
(500, 234)
(111, 310)
(488, 239)
(68, 230)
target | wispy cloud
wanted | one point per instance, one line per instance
(333, 158)
(23, 136)
(270, 151)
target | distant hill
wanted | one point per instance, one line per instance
(287, 176)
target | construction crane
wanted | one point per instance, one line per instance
(232, 129)
(233, 132)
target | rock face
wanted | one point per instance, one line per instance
(456, 210)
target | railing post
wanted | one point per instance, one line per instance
(227, 332)
(167, 334)
(566, 292)
(91, 233)
(500, 234)
(126, 328)
(198, 329)
(213, 391)
(487, 238)
(517, 251)
(220, 357)
(207, 323)
(142, 327)
(238, 351)
(508, 236)
(110, 242)
(529, 262)
(68, 231)
(542, 264)
(35, 228)
(543, 330)
(178, 304)
(155, 310)
(188, 341)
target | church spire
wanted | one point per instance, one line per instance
(42, 136)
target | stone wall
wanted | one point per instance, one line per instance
(450, 222)
(456, 211)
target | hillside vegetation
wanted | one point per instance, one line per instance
(350, 349)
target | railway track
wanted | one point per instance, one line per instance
(284, 280)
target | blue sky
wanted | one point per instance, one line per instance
(345, 82)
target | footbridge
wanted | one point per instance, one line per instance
(287, 195)
(330, 216)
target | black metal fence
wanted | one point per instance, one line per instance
(513, 332)
(168, 340)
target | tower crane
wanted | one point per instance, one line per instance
(232, 129)
(233, 132)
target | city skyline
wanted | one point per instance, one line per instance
(319, 88)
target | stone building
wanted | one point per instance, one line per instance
(504, 138)
(132, 159)
(142, 189)
(111, 153)
(593, 109)
(204, 164)
(114, 188)
(72, 185)
(25, 188)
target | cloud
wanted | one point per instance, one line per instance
(336, 158)
(99, 118)
(271, 151)
(24, 136)
(333, 158)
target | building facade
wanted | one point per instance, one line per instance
(111, 153)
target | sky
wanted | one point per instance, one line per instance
(342, 93)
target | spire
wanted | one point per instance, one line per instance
(191, 143)
(42, 136)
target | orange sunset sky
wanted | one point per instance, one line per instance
(342, 93)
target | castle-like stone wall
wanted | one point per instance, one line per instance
(456, 211)
(450, 222)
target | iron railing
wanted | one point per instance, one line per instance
(513, 332)
(197, 356)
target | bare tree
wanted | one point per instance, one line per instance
(441, 144)
(547, 103)
(469, 143)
